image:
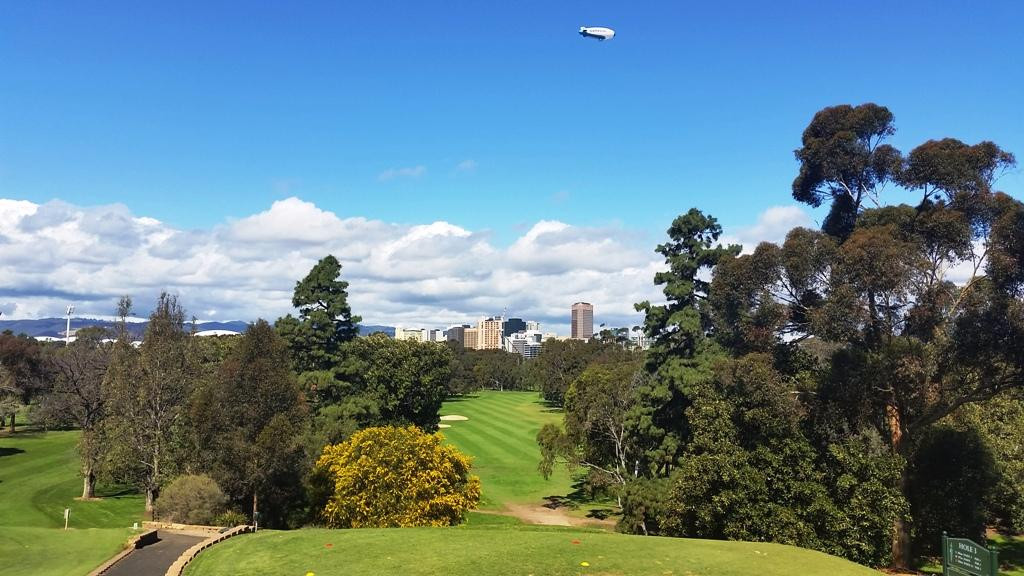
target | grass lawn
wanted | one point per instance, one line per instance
(1011, 554)
(498, 550)
(501, 436)
(38, 479)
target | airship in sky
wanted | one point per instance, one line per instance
(599, 32)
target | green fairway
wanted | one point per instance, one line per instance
(38, 480)
(501, 437)
(485, 551)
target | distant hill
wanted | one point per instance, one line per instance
(55, 326)
(371, 328)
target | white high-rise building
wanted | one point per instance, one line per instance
(640, 340)
(414, 334)
(527, 343)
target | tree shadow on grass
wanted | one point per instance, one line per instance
(114, 491)
(549, 407)
(23, 432)
(461, 398)
(1011, 551)
(8, 451)
(577, 498)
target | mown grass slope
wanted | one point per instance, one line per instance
(494, 551)
(38, 480)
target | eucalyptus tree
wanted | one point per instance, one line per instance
(76, 374)
(146, 391)
(922, 304)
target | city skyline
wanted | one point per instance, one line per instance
(509, 325)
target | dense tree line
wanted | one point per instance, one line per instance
(550, 373)
(852, 389)
(560, 362)
(242, 420)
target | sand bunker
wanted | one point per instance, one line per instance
(453, 417)
(444, 425)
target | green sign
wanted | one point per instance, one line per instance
(961, 556)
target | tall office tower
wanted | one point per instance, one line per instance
(513, 325)
(582, 321)
(490, 334)
(533, 325)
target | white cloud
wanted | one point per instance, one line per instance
(427, 275)
(407, 172)
(467, 165)
(771, 226)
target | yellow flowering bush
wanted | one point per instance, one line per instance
(391, 476)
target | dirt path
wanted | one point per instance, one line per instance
(543, 515)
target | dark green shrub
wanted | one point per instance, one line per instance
(230, 518)
(952, 479)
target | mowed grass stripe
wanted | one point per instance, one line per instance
(506, 437)
(27, 478)
(524, 412)
(39, 477)
(485, 399)
(505, 474)
(500, 436)
(496, 419)
(518, 420)
(502, 443)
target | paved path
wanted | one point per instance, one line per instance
(155, 559)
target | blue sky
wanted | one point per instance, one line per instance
(191, 112)
(489, 116)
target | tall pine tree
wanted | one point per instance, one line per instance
(325, 320)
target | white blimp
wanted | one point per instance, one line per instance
(599, 32)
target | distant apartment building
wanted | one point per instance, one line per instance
(471, 338)
(513, 325)
(416, 335)
(490, 333)
(582, 321)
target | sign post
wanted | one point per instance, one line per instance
(963, 557)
